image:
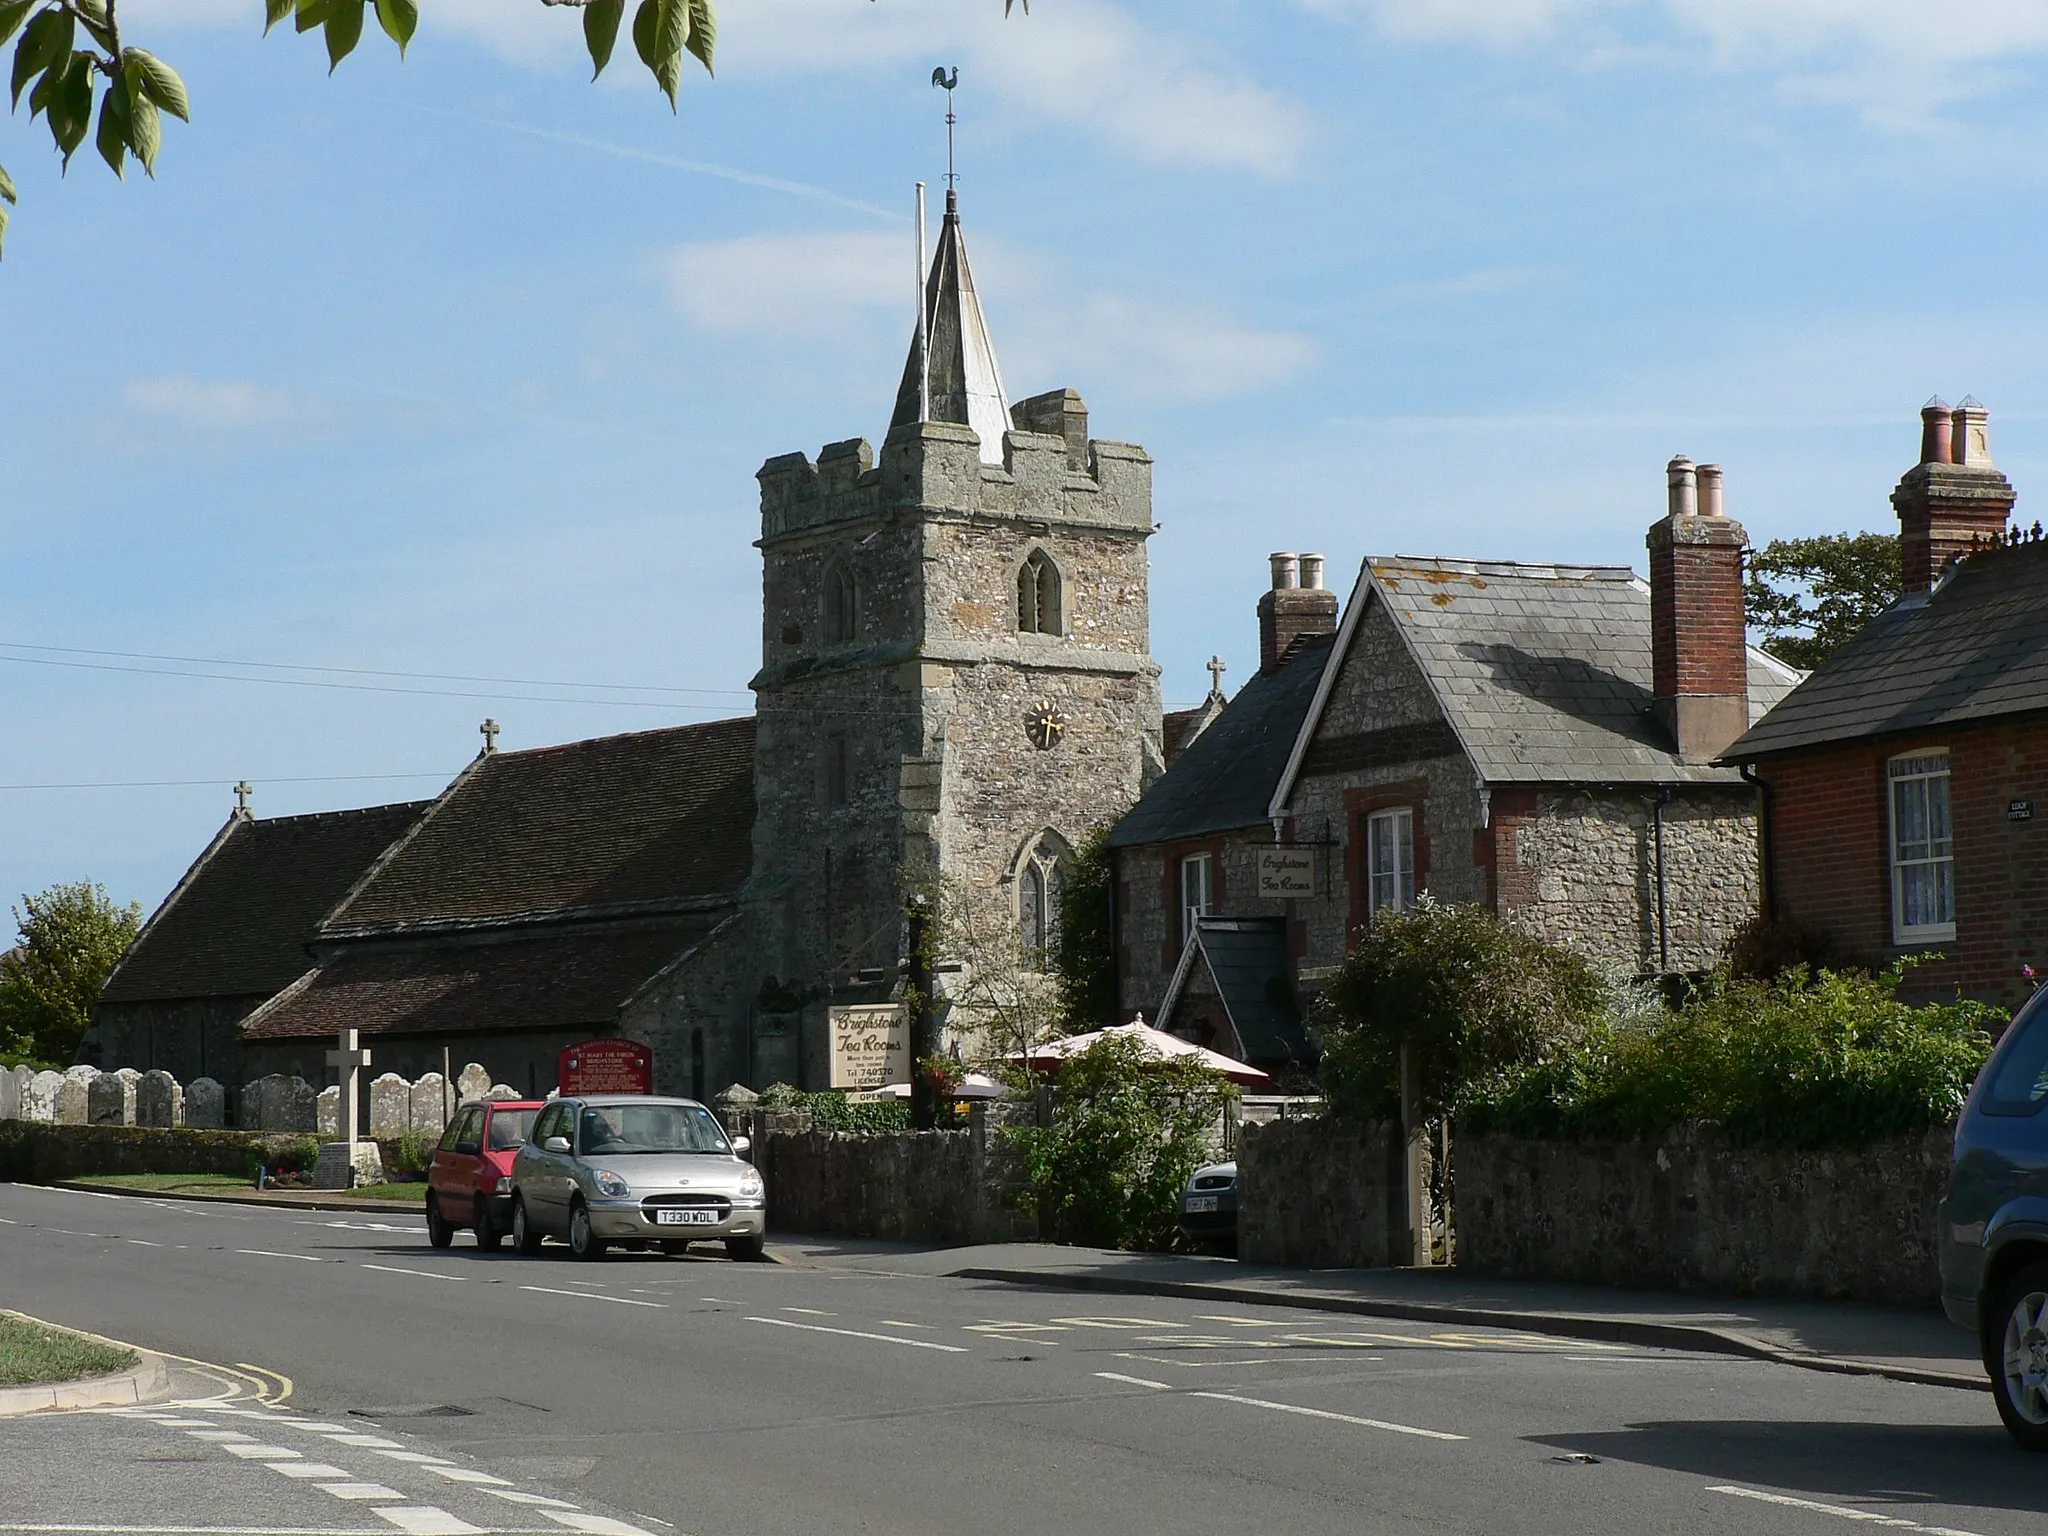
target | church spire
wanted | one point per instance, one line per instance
(960, 364)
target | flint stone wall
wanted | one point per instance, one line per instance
(1320, 1194)
(1689, 1210)
(912, 1186)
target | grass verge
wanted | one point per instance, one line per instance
(32, 1354)
(235, 1184)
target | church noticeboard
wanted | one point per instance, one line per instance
(870, 1045)
(607, 1066)
(1286, 870)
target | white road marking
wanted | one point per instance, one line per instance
(143, 1242)
(456, 1474)
(186, 1530)
(417, 1458)
(593, 1525)
(1136, 1381)
(265, 1253)
(891, 1322)
(221, 1435)
(360, 1491)
(1839, 1511)
(855, 1333)
(624, 1301)
(424, 1274)
(185, 1423)
(308, 1469)
(517, 1496)
(373, 1442)
(1120, 1323)
(261, 1452)
(426, 1520)
(1324, 1413)
(322, 1427)
(810, 1311)
(369, 1226)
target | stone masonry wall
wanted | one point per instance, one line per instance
(1320, 1194)
(1689, 1210)
(925, 1186)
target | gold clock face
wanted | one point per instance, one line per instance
(1045, 725)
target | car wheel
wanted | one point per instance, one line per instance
(584, 1243)
(487, 1234)
(676, 1250)
(745, 1250)
(525, 1235)
(439, 1233)
(2019, 1365)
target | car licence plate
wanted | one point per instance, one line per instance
(686, 1216)
(1201, 1203)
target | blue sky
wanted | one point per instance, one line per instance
(463, 365)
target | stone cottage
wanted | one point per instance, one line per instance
(1537, 738)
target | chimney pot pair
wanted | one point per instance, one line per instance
(1291, 571)
(1943, 515)
(1297, 607)
(1694, 490)
(1956, 435)
(1698, 649)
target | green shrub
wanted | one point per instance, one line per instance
(833, 1112)
(1127, 1132)
(1469, 996)
(1804, 1060)
(412, 1153)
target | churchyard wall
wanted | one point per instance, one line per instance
(42, 1152)
(1320, 1194)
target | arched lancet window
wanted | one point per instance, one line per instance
(1038, 595)
(1041, 882)
(842, 606)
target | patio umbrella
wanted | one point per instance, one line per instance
(974, 1085)
(1154, 1042)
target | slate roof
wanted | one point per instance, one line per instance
(1248, 961)
(966, 381)
(1542, 671)
(1223, 778)
(556, 979)
(239, 923)
(1973, 650)
(636, 822)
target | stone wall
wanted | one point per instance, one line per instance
(40, 1152)
(1689, 1210)
(1320, 1194)
(915, 1186)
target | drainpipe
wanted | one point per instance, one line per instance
(1116, 957)
(1663, 912)
(1766, 893)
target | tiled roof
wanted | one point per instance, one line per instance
(559, 979)
(1974, 649)
(1543, 671)
(1222, 779)
(652, 818)
(239, 922)
(1249, 963)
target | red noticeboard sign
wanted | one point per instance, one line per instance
(607, 1066)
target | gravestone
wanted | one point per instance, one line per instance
(274, 1103)
(23, 1076)
(333, 1170)
(39, 1096)
(205, 1103)
(472, 1082)
(132, 1076)
(301, 1106)
(159, 1101)
(502, 1091)
(110, 1100)
(73, 1104)
(10, 1094)
(430, 1105)
(390, 1107)
(330, 1114)
(249, 1107)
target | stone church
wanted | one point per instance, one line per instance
(956, 688)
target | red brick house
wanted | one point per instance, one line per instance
(1906, 780)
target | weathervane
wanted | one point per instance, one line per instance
(941, 78)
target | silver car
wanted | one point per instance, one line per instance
(619, 1168)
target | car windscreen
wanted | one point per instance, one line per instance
(622, 1129)
(510, 1127)
(2019, 1073)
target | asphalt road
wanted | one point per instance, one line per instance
(646, 1394)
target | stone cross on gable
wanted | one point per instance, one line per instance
(489, 731)
(243, 791)
(350, 1059)
(1216, 671)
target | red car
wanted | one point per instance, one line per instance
(470, 1181)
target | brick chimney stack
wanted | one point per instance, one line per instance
(1698, 650)
(1297, 606)
(1955, 498)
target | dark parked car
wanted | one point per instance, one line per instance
(1993, 1227)
(1208, 1207)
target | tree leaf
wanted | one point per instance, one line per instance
(399, 19)
(6, 186)
(70, 108)
(671, 30)
(12, 14)
(644, 22)
(94, 14)
(275, 11)
(158, 82)
(703, 32)
(601, 20)
(3, 229)
(344, 30)
(668, 74)
(112, 139)
(312, 13)
(145, 131)
(44, 43)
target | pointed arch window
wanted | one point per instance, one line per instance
(1041, 882)
(1038, 596)
(842, 606)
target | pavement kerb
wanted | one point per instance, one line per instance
(388, 1207)
(147, 1381)
(1693, 1337)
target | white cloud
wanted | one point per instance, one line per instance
(846, 288)
(230, 406)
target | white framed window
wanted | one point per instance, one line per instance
(1041, 882)
(1923, 849)
(1390, 860)
(1197, 891)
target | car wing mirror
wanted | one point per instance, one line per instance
(555, 1144)
(741, 1146)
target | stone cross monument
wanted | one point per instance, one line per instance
(348, 1162)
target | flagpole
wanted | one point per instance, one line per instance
(924, 362)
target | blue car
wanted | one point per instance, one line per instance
(1993, 1226)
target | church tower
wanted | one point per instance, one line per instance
(956, 682)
